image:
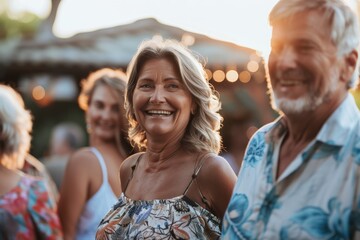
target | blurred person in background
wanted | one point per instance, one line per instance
(236, 137)
(34, 167)
(91, 182)
(65, 139)
(300, 177)
(26, 209)
(179, 187)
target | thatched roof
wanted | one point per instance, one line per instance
(115, 46)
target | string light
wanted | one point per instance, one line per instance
(232, 76)
(38, 93)
(252, 66)
(219, 76)
(244, 76)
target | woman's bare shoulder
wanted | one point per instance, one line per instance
(217, 180)
(83, 158)
(216, 170)
(126, 168)
(128, 163)
(131, 160)
(212, 161)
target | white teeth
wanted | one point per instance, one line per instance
(159, 112)
(289, 82)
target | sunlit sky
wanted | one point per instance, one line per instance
(243, 22)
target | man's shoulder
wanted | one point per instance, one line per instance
(260, 134)
(267, 127)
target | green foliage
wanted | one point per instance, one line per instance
(356, 95)
(24, 25)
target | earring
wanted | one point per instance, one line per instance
(88, 128)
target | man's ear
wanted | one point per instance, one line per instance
(350, 65)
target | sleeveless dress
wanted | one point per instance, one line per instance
(97, 206)
(175, 218)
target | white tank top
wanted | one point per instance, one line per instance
(97, 206)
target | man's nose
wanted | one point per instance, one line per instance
(286, 58)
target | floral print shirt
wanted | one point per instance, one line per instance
(316, 197)
(27, 212)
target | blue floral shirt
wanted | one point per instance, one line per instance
(316, 197)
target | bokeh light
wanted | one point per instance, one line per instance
(244, 76)
(252, 66)
(219, 76)
(38, 93)
(232, 76)
(208, 74)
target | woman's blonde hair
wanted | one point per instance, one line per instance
(116, 80)
(202, 133)
(15, 128)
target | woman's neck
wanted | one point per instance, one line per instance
(157, 158)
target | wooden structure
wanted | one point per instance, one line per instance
(58, 65)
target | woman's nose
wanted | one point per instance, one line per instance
(107, 113)
(158, 95)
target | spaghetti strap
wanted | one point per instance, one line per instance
(198, 167)
(101, 161)
(133, 167)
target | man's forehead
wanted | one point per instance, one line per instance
(302, 21)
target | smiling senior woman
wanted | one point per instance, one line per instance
(178, 187)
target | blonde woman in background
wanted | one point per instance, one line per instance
(91, 182)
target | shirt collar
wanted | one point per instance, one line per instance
(339, 125)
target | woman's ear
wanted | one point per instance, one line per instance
(193, 108)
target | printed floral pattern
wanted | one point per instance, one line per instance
(176, 218)
(319, 223)
(254, 151)
(27, 212)
(238, 215)
(316, 197)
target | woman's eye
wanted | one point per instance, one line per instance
(173, 85)
(98, 105)
(115, 109)
(145, 85)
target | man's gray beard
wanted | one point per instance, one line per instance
(296, 106)
(306, 103)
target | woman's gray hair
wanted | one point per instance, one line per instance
(343, 20)
(15, 128)
(202, 133)
(116, 80)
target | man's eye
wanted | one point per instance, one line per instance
(304, 48)
(276, 47)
